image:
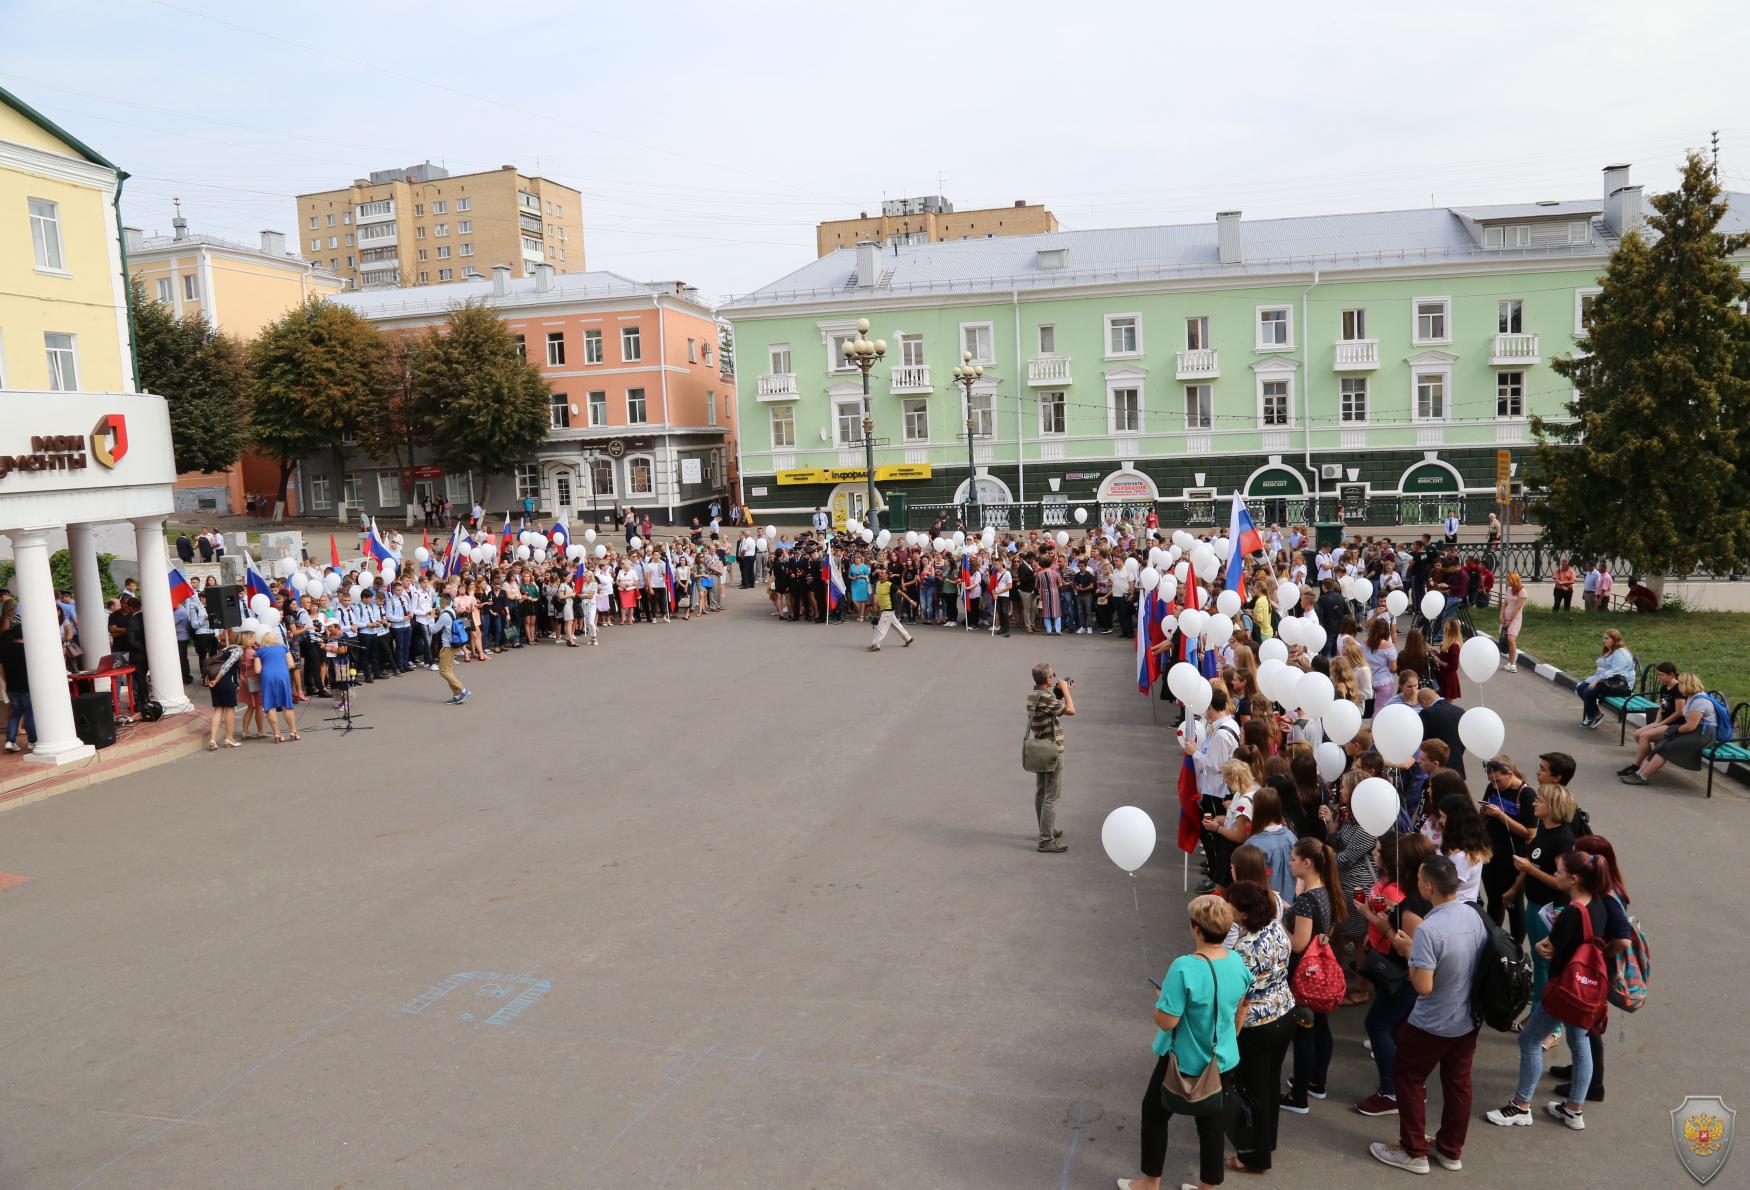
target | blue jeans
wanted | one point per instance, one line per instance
(20, 713)
(1384, 1015)
(1537, 1027)
(1588, 700)
(927, 601)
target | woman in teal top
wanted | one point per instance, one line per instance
(1203, 999)
(860, 585)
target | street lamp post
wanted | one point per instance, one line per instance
(966, 375)
(863, 353)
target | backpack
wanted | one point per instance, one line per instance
(1579, 996)
(1722, 718)
(1580, 824)
(1318, 981)
(1501, 988)
(1631, 972)
(458, 634)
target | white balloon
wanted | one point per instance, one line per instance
(538, 554)
(332, 581)
(1312, 635)
(589, 536)
(1363, 592)
(771, 532)
(573, 552)
(249, 624)
(1223, 548)
(1183, 540)
(1199, 552)
(868, 535)
(1288, 630)
(421, 554)
(1267, 674)
(635, 543)
(1182, 678)
(299, 581)
(972, 548)
(601, 551)
(386, 572)
(522, 553)
(355, 591)
(853, 525)
(1228, 603)
(271, 617)
(1480, 659)
(1342, 720)
(1315, 693)
(959, 537)
(1081, 516)
(1218, 631)
(1374, 805)
(940, 545)
(1182, 572)
(882, 538)
(1191, 622)
(1169, 625)
(1207, 568)
(1132, 567)
(1433, 603)
(1287, 594)
(1201, 695)
(1174, 553)
(911, 538)
(1284, 688)
(1128, 835)
(1274, 649)
(1157, 557)
(1169, 586)
(260, 603)
(1062, 538)
(1397, 733)
(1481, 732)
(1397, 603)
(989, 535)
(1331, 759)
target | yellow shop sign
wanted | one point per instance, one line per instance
(900, 471)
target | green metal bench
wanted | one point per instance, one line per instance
(1732, 750)
(1643, 700)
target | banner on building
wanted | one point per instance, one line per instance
(899, 471)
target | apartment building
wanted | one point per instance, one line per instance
(419, 225)
(1382, 361)
(932, 219)
(642, 411)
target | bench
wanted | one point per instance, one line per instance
(1733, 750)
(1644, 700)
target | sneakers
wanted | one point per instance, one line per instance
(1510, 1115)
(1396, 1158)
(1594, 1094)
(464, 696)
(1378, 1105)
(1633, 778)
(1054, 847)
(1512, 669)
(13, 747)
(1559, 1111)
(1452, 1163)
(1294, 1100)
(1315, 1092)
(1626, 769)
(1592, 723)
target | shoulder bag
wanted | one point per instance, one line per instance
(1039, 754)
(1203, 1095)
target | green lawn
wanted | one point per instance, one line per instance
(1716, 645)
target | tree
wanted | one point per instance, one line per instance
(203, 376)
(315, 369)
(1652, 468)
(726, 350)
(394, 419)
(488, 406)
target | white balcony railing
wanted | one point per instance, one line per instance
(392, 262)
(774, 386)
(1051, 450)
(983, 454)
(1354, 438)
(1514, 349)
(1431, 435)
(917, 454)
(910, 378)
(381, 279)
(1048, 369)
(1355, 355)
(851, 457)
(1201, 364)
(1199, 442)
(374, 212)
(1510, 433)
(385, 236)
(783, 460)
(1276, 439)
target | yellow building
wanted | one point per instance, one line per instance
(930, 220)
(420, 226)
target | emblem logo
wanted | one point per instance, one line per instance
(109, 439)
(616, 448)
(1701, 1131)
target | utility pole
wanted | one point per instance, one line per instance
(863, 353)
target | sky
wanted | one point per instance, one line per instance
(708, 140)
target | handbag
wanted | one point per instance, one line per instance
(1039, 754)
(1203, 1095)
(1242, 1121)
(1318, 981)
(213, 666)
(1384, 971)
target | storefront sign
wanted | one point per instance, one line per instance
(107, 447)
(421, 471)
(1128, 489)
(1427, 478)
(1074, 475)
(691, 472)
(48, 452)
(900, 471)
(758, 491)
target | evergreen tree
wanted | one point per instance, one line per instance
(203, 376)
(488, 407)
(726, 349)
(1653, 467)
(315, 368)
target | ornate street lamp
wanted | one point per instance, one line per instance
(966, 375)
(863, 353)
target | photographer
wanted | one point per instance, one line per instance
(1048, 703)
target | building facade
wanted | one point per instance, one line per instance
(932, 219)
(239, 288)
(642, 414)
(78, 445)
(1381, 361)
(419, 226)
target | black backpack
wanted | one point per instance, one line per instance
(1501, 989)
(1581, 824)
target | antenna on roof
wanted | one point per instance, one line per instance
(1716, 146)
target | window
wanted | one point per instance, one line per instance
(388, 489)
(592, 347)
(443, 252)
(980, 339)
(704, 348)
(1583, 302)
(334, 262)
(1273, 403)
(1197, 333)
(1123, 334)
(532, 246)
(1354, 325)
(1430, 396)
(1354, 397)
(424, 277)
(418, 209)
(440, 230)
(555, 348)
(522, 348)
(1048, 340)
(349, 260)
(1579, 232)
(1127, 411)
(915, 418)
(313, 223)
(983, 413)
(559, 209)
(1431, 320)
(346, 218)
(333, 242)
(466, 250)
(601, 476)
(348, 239)
(1494, 237)
(418, 232)
(352, 490)
(446, 274)
(631, 345)
(316, 244)
(559, 411)
(45, 234)
(371, 231)
(463, 204)
(528, 481)
(1510, 394)
(692, 351)
(455, 487)
(191, 287)
(779, 356)
(848, 422)
(640, 476)
(837, 360)
(63, 364)
(784, 425)
(710, 408)
(424, 254)
(1275, 329)
(598, 409)
(1510, 316)
(166, 291)
(321, 492)
(382, 206)
(637, 408)
(1053, 413)
(464, 227)
(1199, 406)
(331, 220)
(549, 206)
(911, 351)
(439, 207)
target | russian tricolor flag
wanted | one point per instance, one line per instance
(252, 580)
(180, 590)
(829, 574)
(375, 546)
(1244, 540)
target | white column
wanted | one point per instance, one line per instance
(88, 596)
(161, 659)
(50, 698)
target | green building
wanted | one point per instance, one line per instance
(1378, 361)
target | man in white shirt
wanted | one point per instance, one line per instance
(656, 588)
(822, 522)
(1451, 527)
(744, 552)
(1216, 748)
(1001, 583)
(1324, 561)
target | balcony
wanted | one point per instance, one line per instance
(1511, 433)
(386, 237)
(390, 261)
(381, 280)
(1276, 439)
(1514, 349)
(776, 386)
(1051, 450)
(1431, 435)
(374, 212)
(1200, 364)
(1048, 369)
(1354, 438)
(910, 378)
(1356, 355)
(531, 224)
(1199, 442)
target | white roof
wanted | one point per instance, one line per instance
(416, 300)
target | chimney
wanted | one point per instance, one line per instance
(133, 239)
(868, 263)
(543, 277)
(1020, 202)
(273, 242)
(1227, 237)
(500, 280)
(179, 225)
(1622, 202)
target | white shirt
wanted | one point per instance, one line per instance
(745, 547)
(1217, 748)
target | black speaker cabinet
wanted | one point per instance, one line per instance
(94, 718)
(224, 606)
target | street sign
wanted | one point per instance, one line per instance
(1503, 468)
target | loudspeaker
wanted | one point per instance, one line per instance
(94, 718)
(224, 606)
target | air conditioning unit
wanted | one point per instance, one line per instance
(1330, 470)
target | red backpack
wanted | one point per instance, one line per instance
(1318, 979)
(1579, 996)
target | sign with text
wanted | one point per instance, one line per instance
(67, 441)
(899, 471)
(692, 472)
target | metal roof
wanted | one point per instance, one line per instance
(1532, 210)
(411, 301)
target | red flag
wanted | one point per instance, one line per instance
(1190, 808)
(333, 551)
(427, 536)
